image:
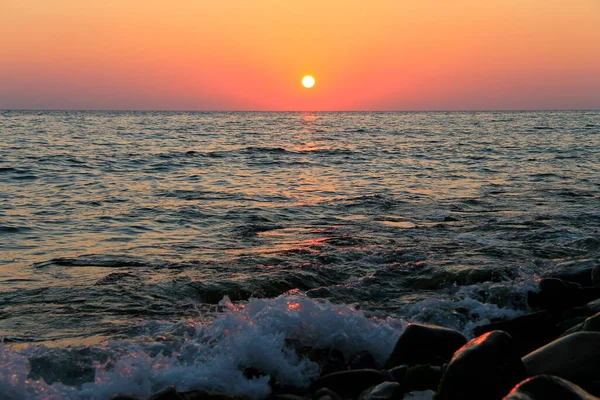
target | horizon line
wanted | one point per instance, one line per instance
(300, 111)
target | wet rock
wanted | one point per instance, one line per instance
(596, 276)
(556, 283)
(529, 331)
(286, 396)
(594, 306)
(326, 392)
(330, 360)
(575, 357)
(126, 396)
(425, 344)
(487, 367)
(399, 372)
(168, 393)
(569, 326)
(420, 395)
(421, 377)
(351, 383)
(363, 360)
(592, 324)
(205, 395)
(579, 271)
(383, 391)
(557, 298)
(543, 387)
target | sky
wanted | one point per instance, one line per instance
(252, 54)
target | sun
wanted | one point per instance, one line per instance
(308, 81)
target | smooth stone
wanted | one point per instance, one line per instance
(579, 271)
(592, 324)
(556, 283)
(383, 391)
(363, 360)
(425, 344)
(558, 299)
(594, 306)
(326, 392)
(568, 324)
(168, 393)
(205, 395)
(126, 396)
(575, 357)
(420, 395)
(351, 383)
(544, 387)
(399, 372)
(528, 332)
(487, 367)
(596, 276)
(421, 377)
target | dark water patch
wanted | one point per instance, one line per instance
(99, 260)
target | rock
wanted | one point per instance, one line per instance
(556, 298)
(363, 360)
(594, 306)
(487, 367)
(126, 396)
(399, 372)
(569, 326)
(205, 395)
(529, 331)
(421, 377)
(168, 393)
(286, 396)
(592, 324)
(420, 395)
(579, 271)
(556, 283)
(425, 344)
(325, 392)
(351, 383)
(383, 391)
(596, 276)
(543, 387)
(575, 357)
(330, 360)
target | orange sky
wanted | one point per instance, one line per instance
(252, 54)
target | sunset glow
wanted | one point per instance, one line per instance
(238, 55)
(308, 81)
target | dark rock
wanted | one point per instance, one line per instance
(329, 360)
(592, 324)
(168, 393)
(594, 306)
(596, 276)
(556, 283)
(575, 357)
(126, 396)
(529, 331)
(421, 377)
(363, 360)
(399, 372)
(351, 383)
(286, 396)
(383, 391)
(579, 271)
(425, 344)
(556, 299)
(205, 395)
(543, 387)
(487, 367)
(570, 326)
(326, 392)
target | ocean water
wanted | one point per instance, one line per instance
(142, 249)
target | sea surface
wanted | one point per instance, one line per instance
(142, 249)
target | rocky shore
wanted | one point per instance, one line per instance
(551, 353)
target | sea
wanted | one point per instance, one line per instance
(145, 249)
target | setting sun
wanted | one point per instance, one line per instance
(308, 81)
